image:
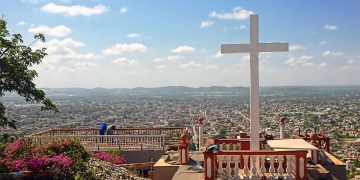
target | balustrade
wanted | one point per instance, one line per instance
(255, 164)
(235, 144)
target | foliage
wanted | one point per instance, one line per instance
(354, 170)
(115, 152)
(59, 159)
(71, 148)
(18, 149)
(15, 75)
(114, 159)
(5, 139)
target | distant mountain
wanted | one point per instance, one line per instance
(169, 90)
(213, 90)
(206, 91)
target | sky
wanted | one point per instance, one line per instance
(142, 43)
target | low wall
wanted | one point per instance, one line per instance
(163, 170)
(142, 156)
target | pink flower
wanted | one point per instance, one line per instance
(19, 148)
(61, 160)
(109, 158)
(19, 164)
(36, 163)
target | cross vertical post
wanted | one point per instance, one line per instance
(254, 48)
(254, 88)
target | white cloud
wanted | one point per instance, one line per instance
(331, 53)
(31, 1)
(321, 65)
(77, 67)
(119, 49)
(65, 68)
(246, 58)
(84, 66)
(302, 60)
(218, 55)
(159, 60)
(210, 66)
(242, 27)
(206, 24)
(57, 31)
(192, 65)
(237, 13)
(124, 10)
(21, 23)
(125, 61)
(133, 35)
(169, 58)
(160, 67)
(330, 27)
(353, 62)
(60, 50)
(322, 43)
(296, 47)
(74, 10)
(65, 1)
(183, 50)
(59, 46)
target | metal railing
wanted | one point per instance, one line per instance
(108, 142)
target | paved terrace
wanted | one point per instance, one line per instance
(278, 159)
(123, 138)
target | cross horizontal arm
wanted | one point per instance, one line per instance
(235, 48)
(272, 47)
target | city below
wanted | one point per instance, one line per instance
(331, 110)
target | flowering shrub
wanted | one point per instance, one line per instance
(18, 149)
(37, 163)
(60, 159)
(109, 157)
(18, 165)
(70, 148)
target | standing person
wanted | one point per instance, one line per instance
(110, 129)
(102, 129)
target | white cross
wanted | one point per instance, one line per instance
(254, 48)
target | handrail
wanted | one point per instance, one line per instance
(107, 142)
(94, 131)
(255, 164)
(236, 144)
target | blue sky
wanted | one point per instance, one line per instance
(133, 43)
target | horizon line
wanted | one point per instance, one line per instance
(198, 86)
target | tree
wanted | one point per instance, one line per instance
(15, 75)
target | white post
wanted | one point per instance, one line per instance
(282, 127)
(201, 135)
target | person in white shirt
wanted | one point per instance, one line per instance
(110, 130)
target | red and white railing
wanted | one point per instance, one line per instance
(235, 144)
(255, 164)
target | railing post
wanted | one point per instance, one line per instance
(184, 153)
(184, 148)
(209, 166)
(300, 165)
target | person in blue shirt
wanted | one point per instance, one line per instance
(102, 129)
